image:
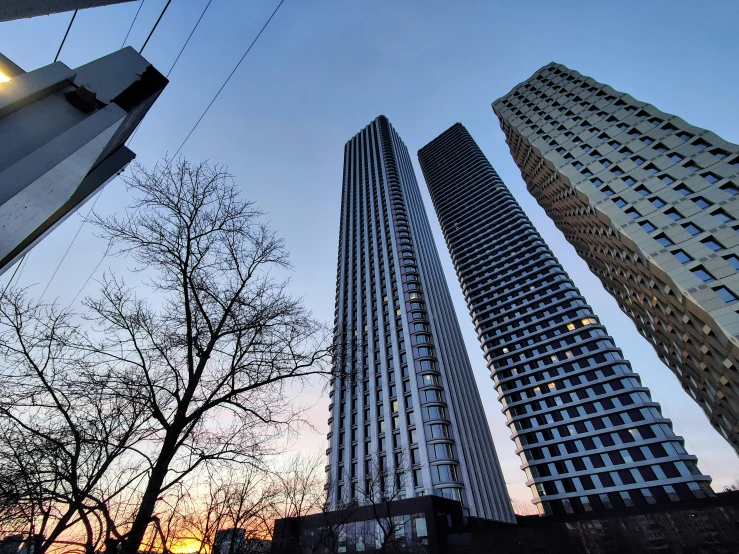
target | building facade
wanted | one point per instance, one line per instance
(406, 415)
(649, 202)
(589, 435)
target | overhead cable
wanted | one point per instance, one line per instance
(65, 35)
(228, 78)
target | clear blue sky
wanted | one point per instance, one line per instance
(323, 69)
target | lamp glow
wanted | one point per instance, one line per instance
(4, 78)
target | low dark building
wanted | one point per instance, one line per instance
(430, 525)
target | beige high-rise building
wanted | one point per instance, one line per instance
(649, 202)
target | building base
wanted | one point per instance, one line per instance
(431, 525)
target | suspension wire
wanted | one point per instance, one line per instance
(107, 251)
(136, 130)
(65, 35)
(155, 25)
(71, 243)
(228, 78)
(10, 281)
(141, 4)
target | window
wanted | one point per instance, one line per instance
(682, 189)
(657, 202)
(673, 214)
(692, 166)
(692, 229)
(712, 244)
(607, 191)
(731, 188)
(711, 177)
(702, 274)
(597, 182)
(700, 143)
(619, 202)
(726, 295)
(659, 147)
(641, 189)
(720, 154)
(702, 202)
(632, 213)
(648, 227)
(733, 261)
(722, 216)
(682, 256)
(675, 157)
(577, 165)
(651, 168)
(666, 179)
(663, 240)
(606, 163)
(629, 181)
(638, 160)
(645, 140)
(685, 136)
(617, 171)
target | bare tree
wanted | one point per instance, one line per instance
(154, 383)
(213, 359)
(65, 429)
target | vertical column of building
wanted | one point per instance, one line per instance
(395, 424)
(649, 201)
(588, 433)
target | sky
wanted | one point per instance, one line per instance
(322, 70)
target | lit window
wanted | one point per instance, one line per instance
(589, 321)
(570, 326)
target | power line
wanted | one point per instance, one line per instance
(155, 25)
(105, 255)
(136, 130)
(188, 38)
(65, 35)
(132, 23)
(228, 78)
(70, 244)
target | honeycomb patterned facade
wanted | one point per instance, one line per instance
(588, 433)
(649, 202)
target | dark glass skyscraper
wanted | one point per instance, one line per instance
(589, 435)
(406, 416)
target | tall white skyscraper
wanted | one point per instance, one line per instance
(406, 416)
